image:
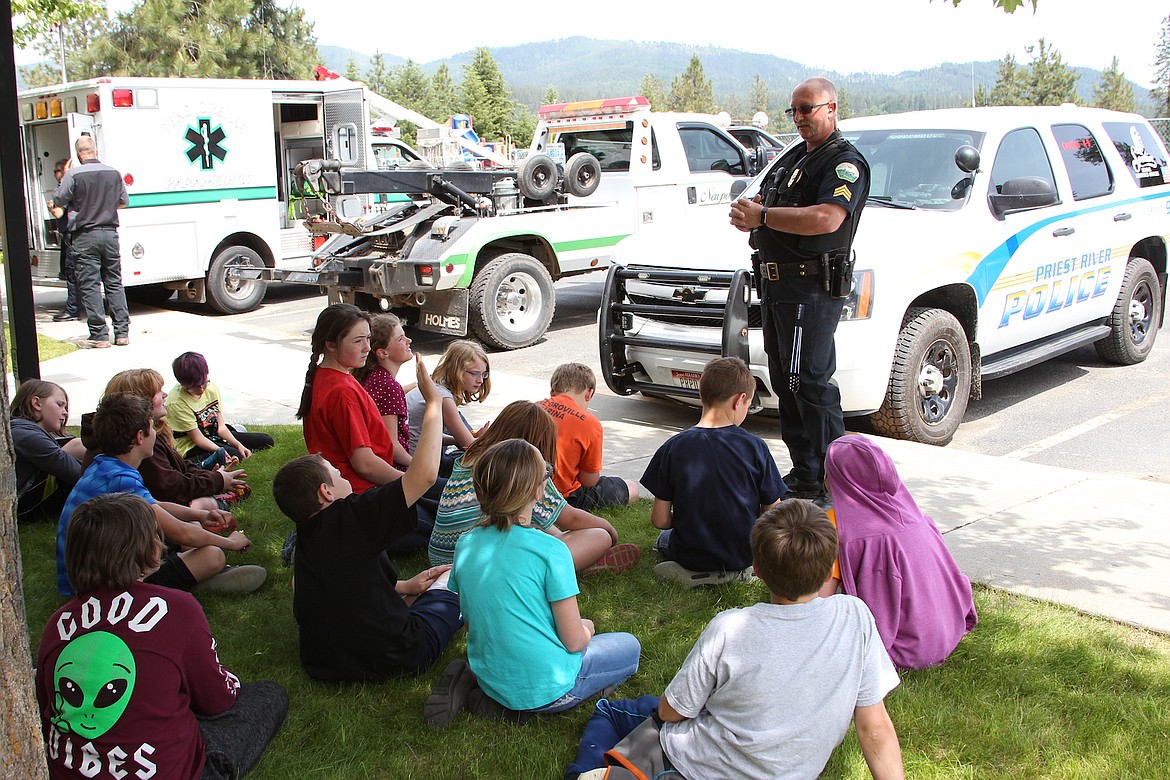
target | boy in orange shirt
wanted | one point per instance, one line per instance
(579, 436)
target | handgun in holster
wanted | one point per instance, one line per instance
(838, 280)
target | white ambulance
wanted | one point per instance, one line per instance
(207, 164)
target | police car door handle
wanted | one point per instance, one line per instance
(1122, 217)
(1064, 231)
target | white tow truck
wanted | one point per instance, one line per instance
(993, 239)
(479, 250)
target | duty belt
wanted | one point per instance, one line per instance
(776, 271)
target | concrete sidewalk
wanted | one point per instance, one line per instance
(1090, 541)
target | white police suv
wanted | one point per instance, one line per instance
(993, 239)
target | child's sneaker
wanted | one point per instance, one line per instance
(676, 572)
(449, 694)
(619, 558)
(234, 579)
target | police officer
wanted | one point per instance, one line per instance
(92, 193)
(802, 227)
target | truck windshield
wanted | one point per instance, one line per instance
(915, 167)
(610, 145)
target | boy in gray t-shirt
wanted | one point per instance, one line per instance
(767, 691)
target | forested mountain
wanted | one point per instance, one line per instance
(581, 68)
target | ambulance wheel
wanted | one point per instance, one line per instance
(930, 380)
(149, 294)
(537, 177)
(1135, 317)
(582, 174)
(226, 292)
(512, 301)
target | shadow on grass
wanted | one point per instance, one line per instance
(1037, 691)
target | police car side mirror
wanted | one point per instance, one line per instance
(1026, 192)
(737, 188)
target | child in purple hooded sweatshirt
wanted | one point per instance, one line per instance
(894, 559)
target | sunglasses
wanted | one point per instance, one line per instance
(804, 110)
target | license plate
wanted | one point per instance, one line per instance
(687, 379)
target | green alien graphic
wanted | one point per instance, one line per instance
(93, 678)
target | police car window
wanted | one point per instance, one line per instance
(916, 167)
(1021, 154)
(708, 151)
(1087, 171)
(1144, 157)
(610, 145)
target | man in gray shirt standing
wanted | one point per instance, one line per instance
(91, 193)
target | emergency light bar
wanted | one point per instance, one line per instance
(607, 107)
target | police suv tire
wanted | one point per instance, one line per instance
(512, 301)
(232, 296)
(149, 294)
(932, 351)
(1135, 317)
(537, 177)
(582, 174)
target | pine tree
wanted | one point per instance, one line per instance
(1114, 90)
(691, 90)
(758, 95)
(981, 96)
(208, 39)
(352, 72)
(654, 90)
(485, 97)
(1160, 93)
(442, 97)
(378, 77)
(1010, 84)
(411, 85)
(1050, 82)
(551, 96)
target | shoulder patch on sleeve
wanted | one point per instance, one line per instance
(847, 172)
(843, 192)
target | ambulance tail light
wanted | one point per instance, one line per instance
(123, 98)
(859, 304)
(608, 107)
(93, 103)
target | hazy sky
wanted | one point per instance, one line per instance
(885, 36)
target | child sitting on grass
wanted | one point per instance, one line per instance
(579, 437)
(389, 351)
(462, 375)
(48, 462)
(123, 429)
(128, 679)
(768, 691)
(592, 540)
(195, 414)
(528, 646)
(710, 483)
(356, 619)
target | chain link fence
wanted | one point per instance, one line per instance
(1163, 128)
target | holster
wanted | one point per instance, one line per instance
(840, 282)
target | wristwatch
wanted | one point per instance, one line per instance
(764, 217)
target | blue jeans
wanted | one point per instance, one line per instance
(608, 659)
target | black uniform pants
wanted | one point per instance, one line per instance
(799, 322)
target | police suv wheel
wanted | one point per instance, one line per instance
(228, 293)
(930, 380)
(512, 301)
(1135, 317)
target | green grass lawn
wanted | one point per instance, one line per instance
(47, 348)
(1036, 691)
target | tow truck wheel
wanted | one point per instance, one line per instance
(582, 174)
(537, 177)
(1135, 317)
(226, 292)
(512, 301)
(930, 380)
